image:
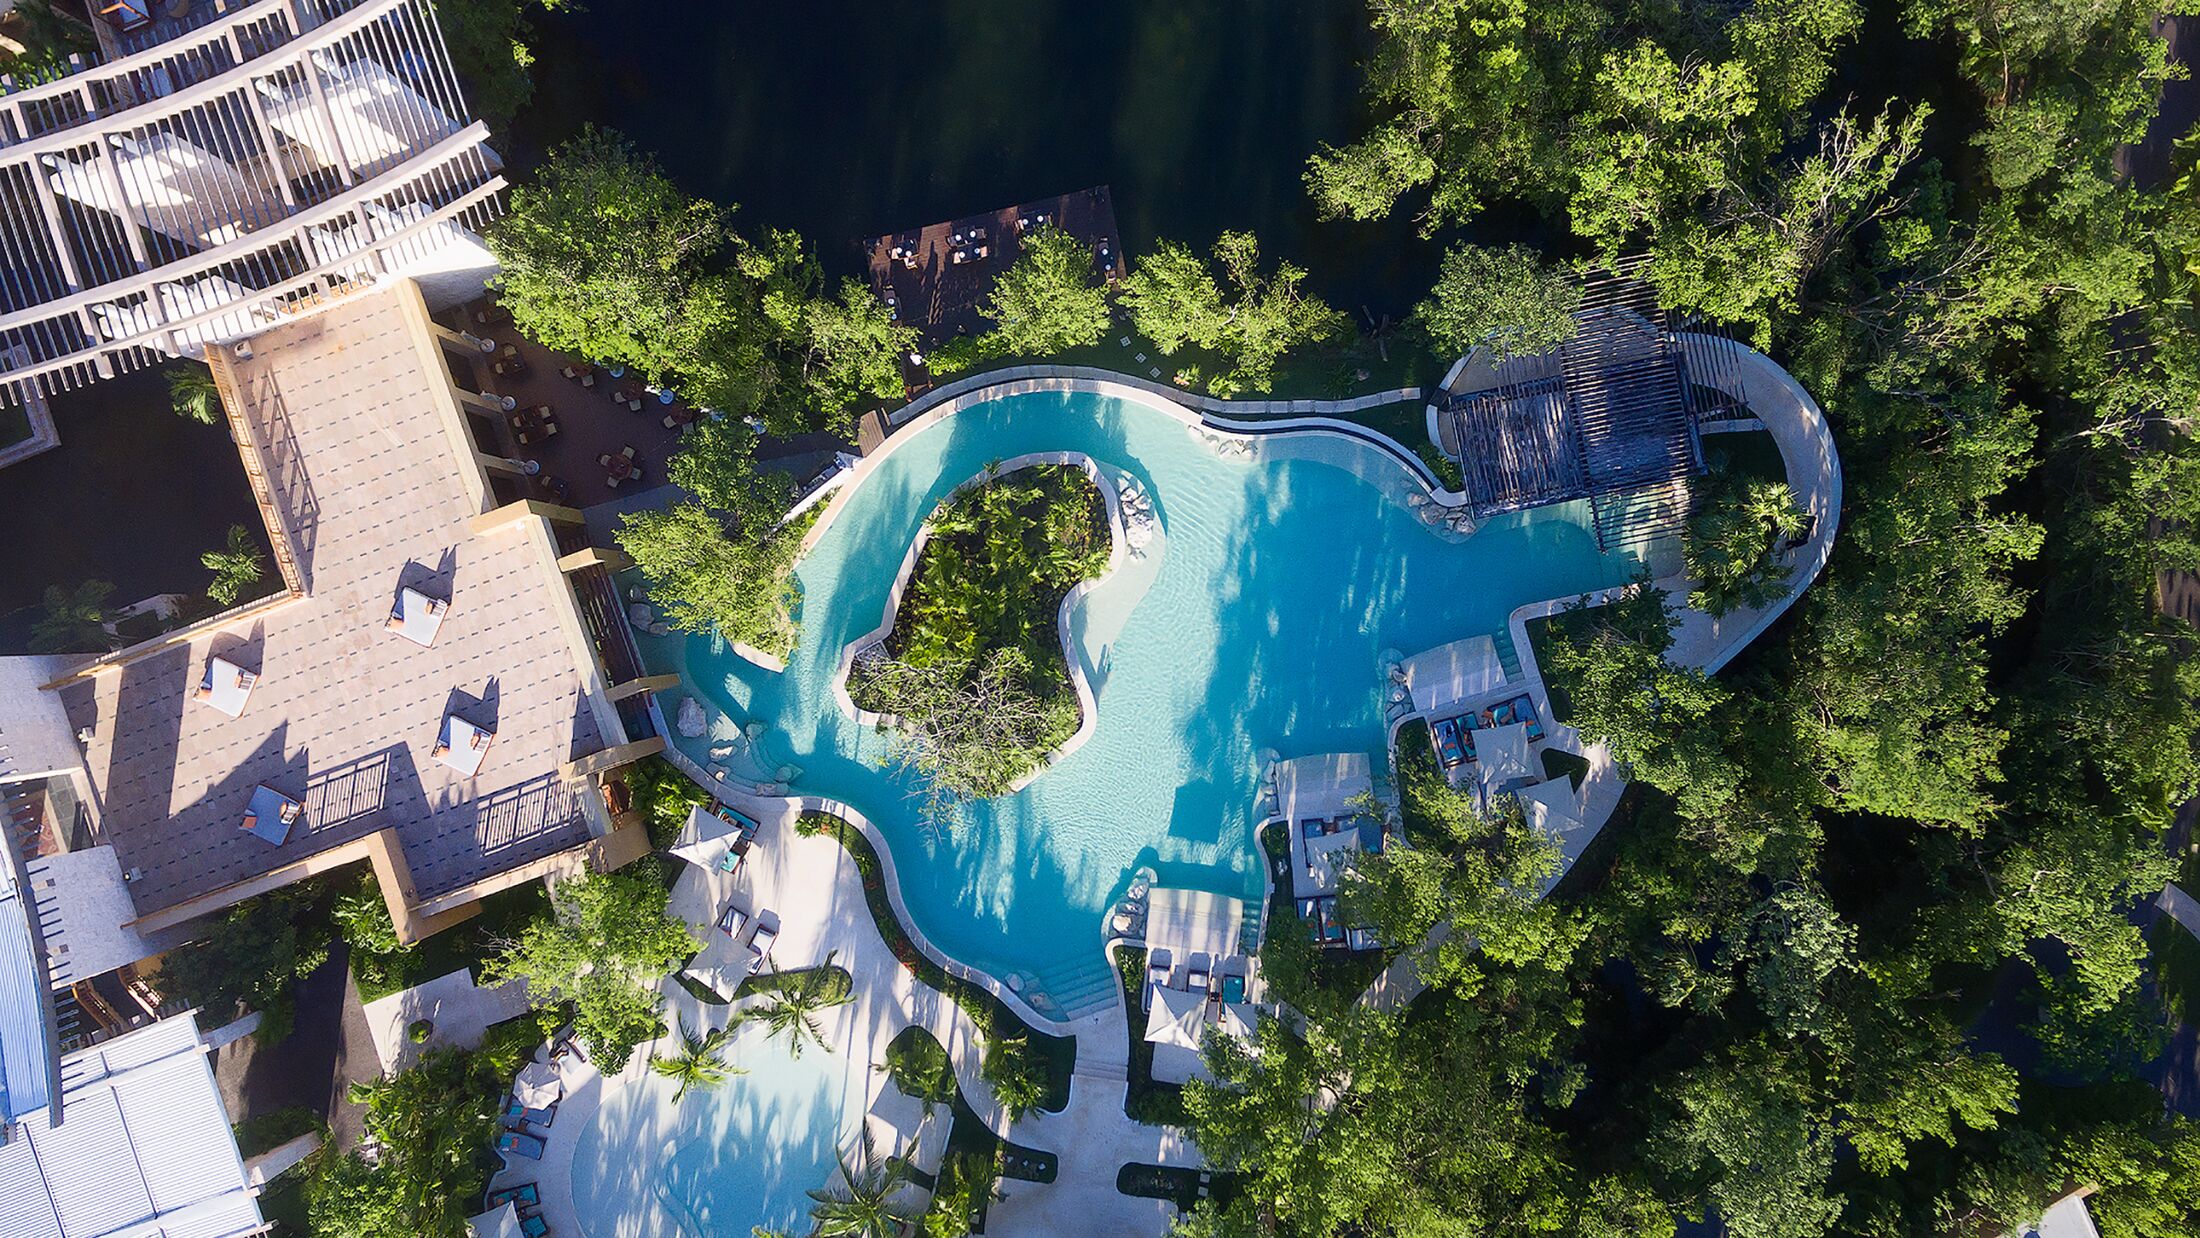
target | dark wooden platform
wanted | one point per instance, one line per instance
(917, 271)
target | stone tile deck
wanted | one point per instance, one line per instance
(367, 484)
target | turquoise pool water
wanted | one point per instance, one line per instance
(722, 1160)
(1258, 623)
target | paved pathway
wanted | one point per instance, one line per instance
(459, 1012)
(811, 890)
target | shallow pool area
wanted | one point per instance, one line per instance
(1258, 621)
(723, 1159)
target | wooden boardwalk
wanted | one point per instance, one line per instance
(936, 276)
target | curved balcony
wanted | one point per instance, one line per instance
(246, 171)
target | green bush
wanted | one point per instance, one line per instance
(249, 959)
(664, 796)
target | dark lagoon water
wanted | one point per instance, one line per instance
(843, 119)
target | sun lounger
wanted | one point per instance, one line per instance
(523, 1194)
(534, 1226)
(1195, 973)
(516, 1112)
(760, 946)
(1233, 988)
(513, 1143)
(733, 920)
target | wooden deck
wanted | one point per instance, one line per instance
(591, 423)
(918, 272)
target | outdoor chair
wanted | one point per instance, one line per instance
(513, 1143)
(733, 920)
(533, 1227)
(522, 1194)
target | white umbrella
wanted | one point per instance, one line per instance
(501, 1221)
(538, 1086)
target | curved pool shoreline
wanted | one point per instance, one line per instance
(1265, 471)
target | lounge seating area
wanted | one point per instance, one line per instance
(461, 745)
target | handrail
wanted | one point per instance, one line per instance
(216, 31)
(258, 239)
(238, 77)
(86, 356)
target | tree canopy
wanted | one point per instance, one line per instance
(604, 943)
(1174, 299)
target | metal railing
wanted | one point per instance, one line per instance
(202, 189)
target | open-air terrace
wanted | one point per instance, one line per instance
(370, 490)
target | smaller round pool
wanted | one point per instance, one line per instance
(739, 1155)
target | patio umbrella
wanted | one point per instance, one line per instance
(538, 1086)
(708, 853)
(501, 1221)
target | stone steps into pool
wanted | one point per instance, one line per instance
(1080, 989)
(1507, 656)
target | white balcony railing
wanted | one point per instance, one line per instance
(196, 191)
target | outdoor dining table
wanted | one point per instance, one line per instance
(621, 465)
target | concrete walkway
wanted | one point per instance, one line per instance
(810, 889)
(459, 1012)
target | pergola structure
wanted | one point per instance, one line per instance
(245, 171)
(1611, 416)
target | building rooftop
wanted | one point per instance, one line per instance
(143, 1147)
(371, 488)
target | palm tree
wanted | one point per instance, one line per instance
(797, 1002)
(75, 622)
(236, 569)
(191, 389)
(697, 1064)
(861, 1204)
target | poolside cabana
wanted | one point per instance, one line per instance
(1193, 922)
(1554, 808)
(1501, 754)
(1448, 674)
(1178, 1024)
(501, 1221)
(538, 1086)
(225, 686)
(1321, 786)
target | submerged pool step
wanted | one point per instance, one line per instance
(1081, 989)
(1507, 656)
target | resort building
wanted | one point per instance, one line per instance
(439, 689)
(228, 170)
(127, 1135)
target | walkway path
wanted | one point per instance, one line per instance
(811, 890)
(458, 1013)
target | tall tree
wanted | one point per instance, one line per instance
(699, 1062)
(794, 1003)
(1046, 301)
(75, 620)
(604, 257)
(1506, 300)
(237, 566)
(431, 1122)
(604, 942)
(1174, 300)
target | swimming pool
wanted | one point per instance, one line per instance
(723, 1159)
(1258, 621)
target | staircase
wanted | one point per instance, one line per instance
(1508, 657)
(1080, 988)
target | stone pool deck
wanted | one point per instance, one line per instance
(812, 888)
